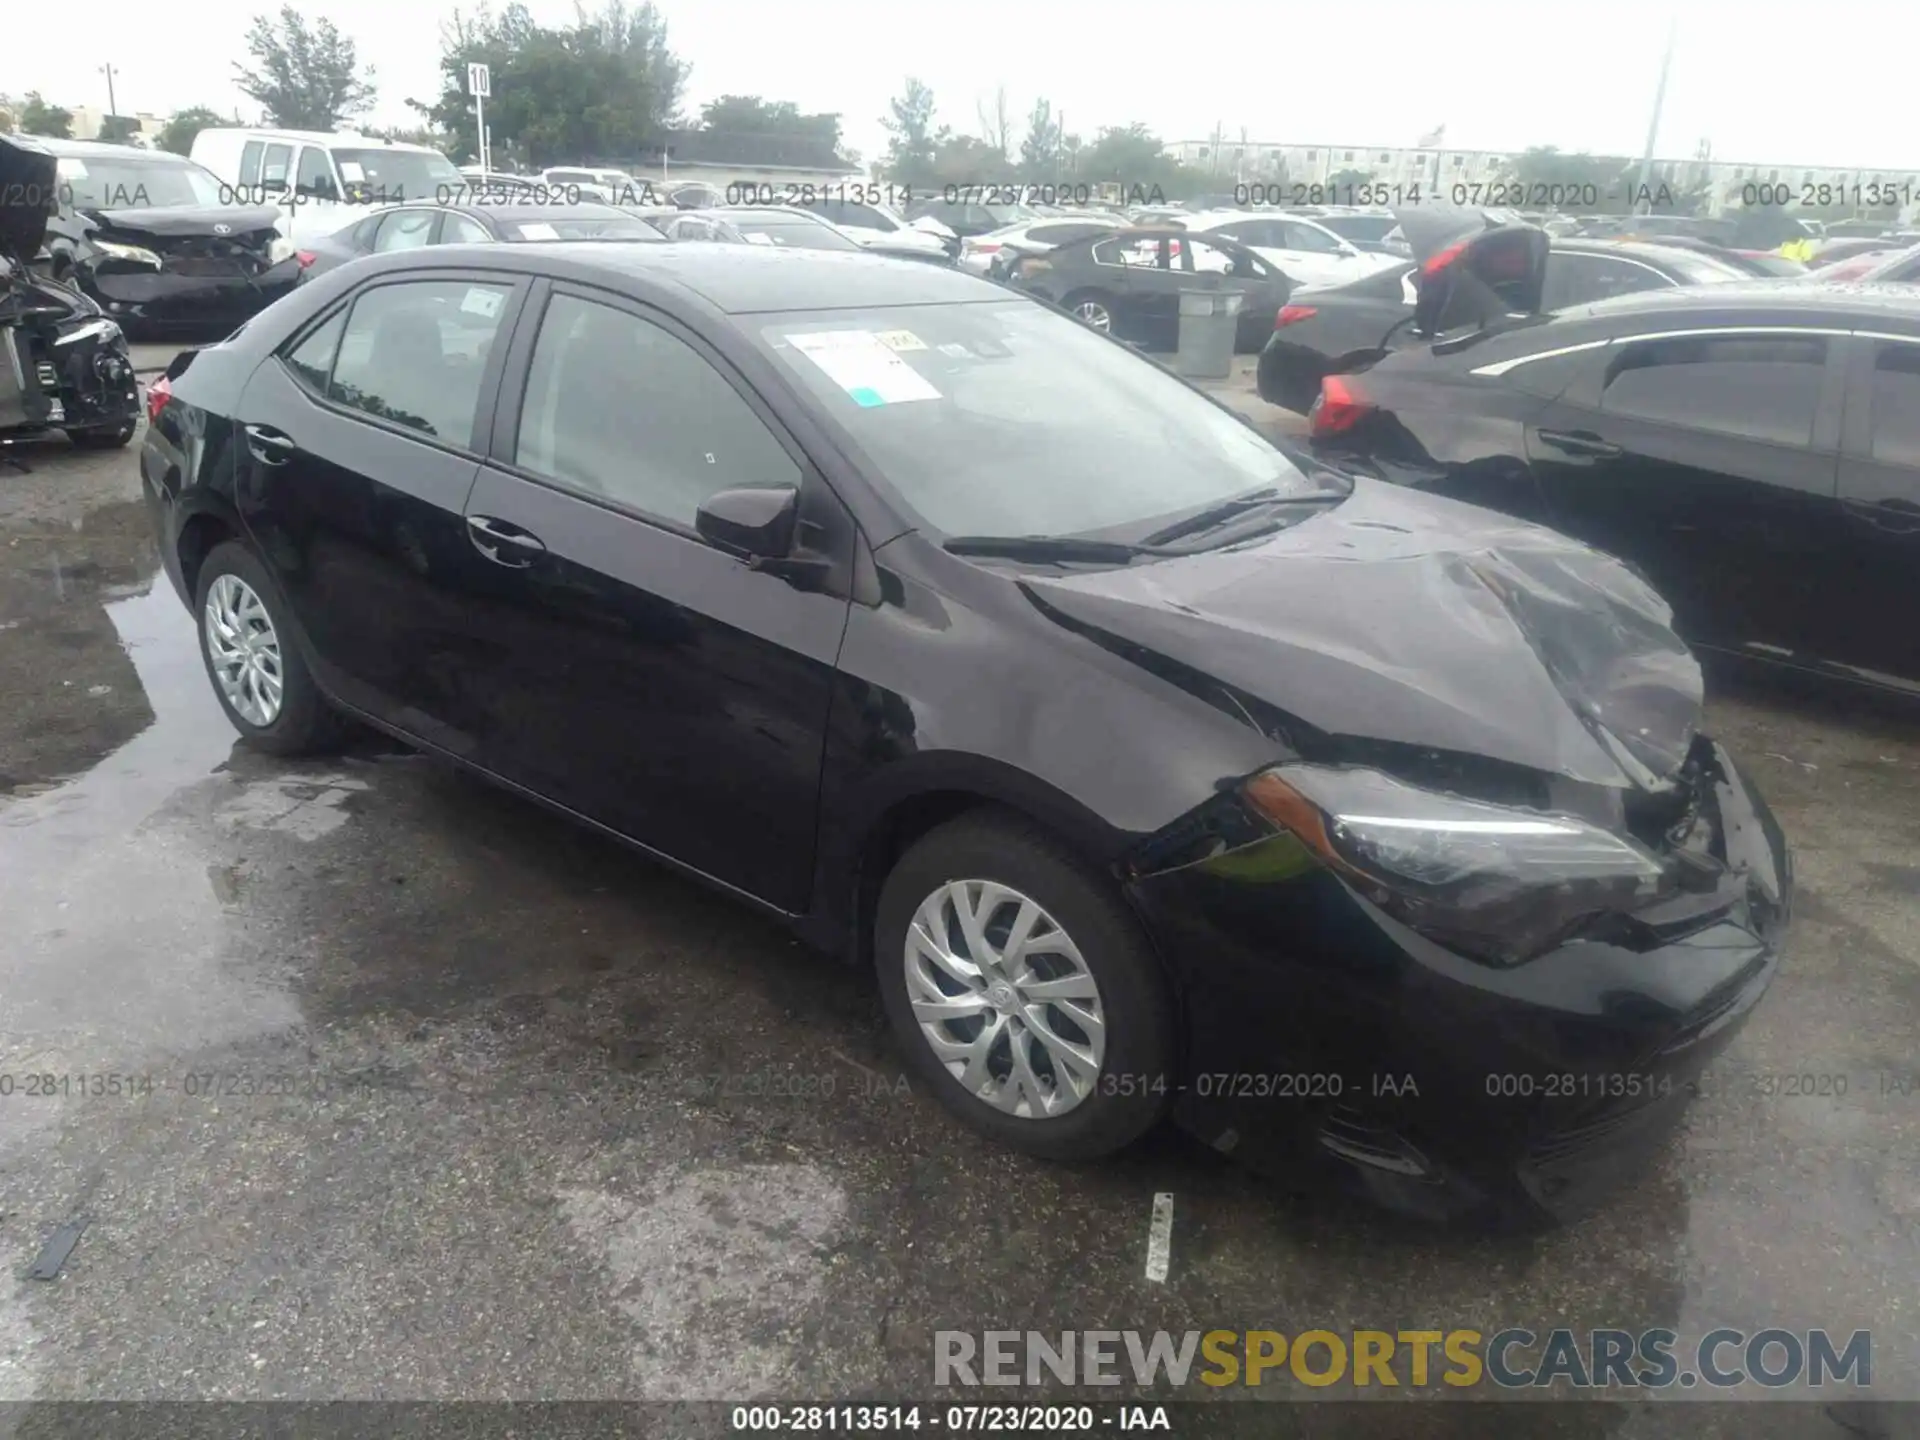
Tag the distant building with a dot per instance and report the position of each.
(1248, 162)
(89, 121)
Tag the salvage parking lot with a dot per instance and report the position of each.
(450, 1099)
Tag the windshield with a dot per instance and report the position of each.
(578, 227)
(1006, 418)
(135, 184)
(1361, 227)
(798, 234)
(385, 177)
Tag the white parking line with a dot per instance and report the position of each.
(1160, 1237)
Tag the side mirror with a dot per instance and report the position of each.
(757, 521)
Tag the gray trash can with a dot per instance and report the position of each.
(1209, 320)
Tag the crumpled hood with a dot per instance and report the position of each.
(168, 222)
(1407, 617)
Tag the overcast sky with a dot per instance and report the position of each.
(1780, 86)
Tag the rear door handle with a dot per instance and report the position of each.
(1579, 442)
(502, 543)
(269, 446)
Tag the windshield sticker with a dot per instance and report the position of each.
(538, 230)
(755, 239)
(481, 302)
(72, 169)
(901, 340)
(867, 370)
(351, 172)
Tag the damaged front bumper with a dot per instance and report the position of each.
(1328, 1042)
(211, 294)
(72, 374)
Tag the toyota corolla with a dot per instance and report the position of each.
(1152, 768)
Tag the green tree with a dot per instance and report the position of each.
(1596, 184)
(119, 130)
(183, 125)
(966, 160)
(39, 118)
(305, 78)
(1135, 160)
(775, 120)
(914, 142)
(1040, 151)
(606, 88)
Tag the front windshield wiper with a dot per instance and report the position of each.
(1066, 549)
(1242, 506)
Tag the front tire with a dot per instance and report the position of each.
(1023, 990)
(258, 674)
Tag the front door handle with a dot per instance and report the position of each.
(1579, 442)
(269, 446)
(502, 543)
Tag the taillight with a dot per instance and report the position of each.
(158, 394)
(1339, 408)
(1445, 258)
(305, 258)
(1293, 315)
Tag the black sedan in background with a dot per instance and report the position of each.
(1754, 449)
(1334, 330)
(1146, 763)
(515, 222)
(158, 243)
(1127, 283)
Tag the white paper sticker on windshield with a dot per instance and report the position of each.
(72, 169)
(753, 239)
(901, 340)
(482, 302)
(538, 230)
(867, 370)
(351, 172)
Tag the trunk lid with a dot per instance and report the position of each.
(28, 196)
(1475, 267)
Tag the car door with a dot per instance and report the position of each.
(1709, 460)
(1873, 616)
(634, 672)
(1576, 277)
(363, 439)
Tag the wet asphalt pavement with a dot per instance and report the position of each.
(425, 1107)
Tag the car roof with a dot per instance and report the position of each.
(533, 210)
(1680, 257)
(734, 279)
(351, 138)
(92, 149)
(1764, 301)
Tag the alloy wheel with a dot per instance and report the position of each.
(1005, 999)
(1095, 314)
(243, 651)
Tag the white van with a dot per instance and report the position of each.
(322, 181)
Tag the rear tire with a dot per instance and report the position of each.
(1080, 1061)
(257, 672)
(1092, 308)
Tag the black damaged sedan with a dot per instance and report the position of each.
(1153, 769)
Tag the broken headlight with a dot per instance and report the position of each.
(1496, 883)
(132, 254)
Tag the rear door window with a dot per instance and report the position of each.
(1758, 387)
(1893, 414)
(413, 354)
(250, 154)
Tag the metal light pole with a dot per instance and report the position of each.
(113, 107)
(1659, 100)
